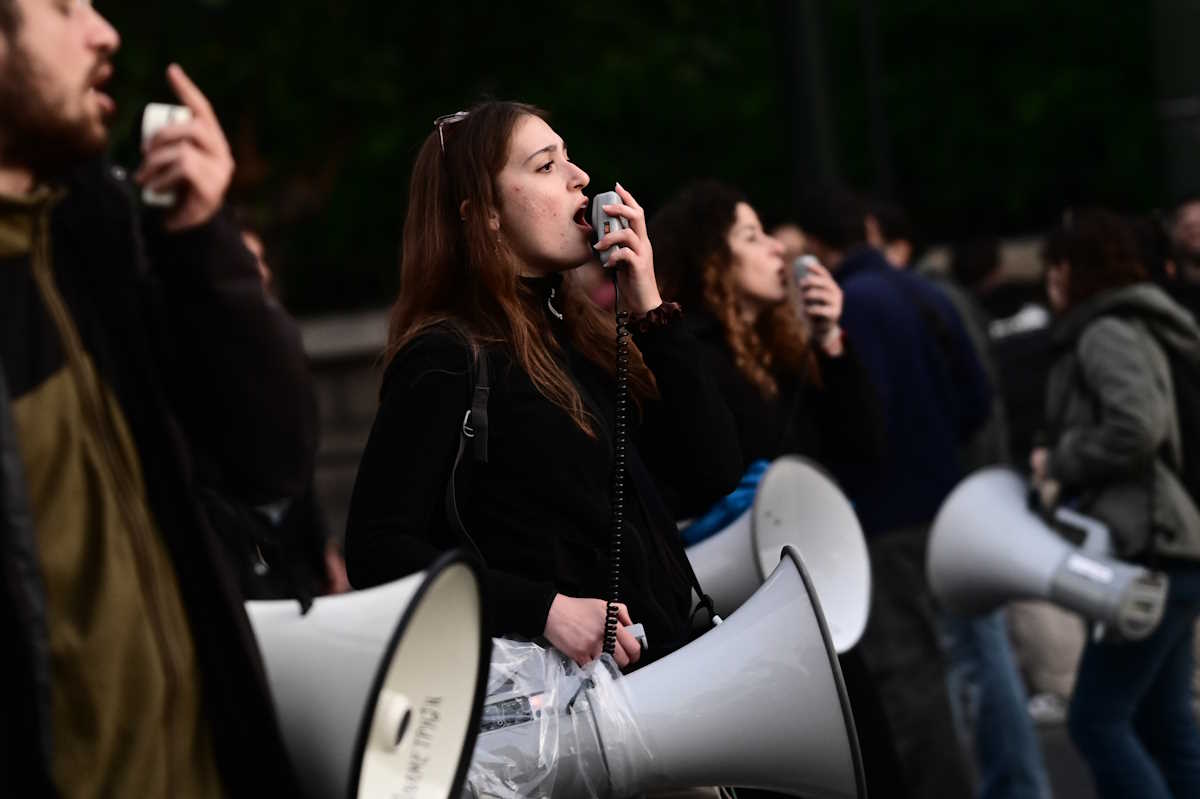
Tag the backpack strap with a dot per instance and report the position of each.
(475, 423)
(472, 432)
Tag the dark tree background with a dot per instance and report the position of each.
(995, 114)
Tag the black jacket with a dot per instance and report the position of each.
(539, 508)
(934, 392)
(839, 424)
(180, 329)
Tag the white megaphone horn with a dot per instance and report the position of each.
(756, 702)
(795, 505)
(986, 548)
(379, 691)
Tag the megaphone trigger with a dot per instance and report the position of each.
(639, 634)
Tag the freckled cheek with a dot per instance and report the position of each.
(540, 217)
(531, 207)
(545, 215)
(546, 210)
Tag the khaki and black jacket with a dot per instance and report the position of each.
(1115, 439)
(125, 353)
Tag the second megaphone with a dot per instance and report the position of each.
(757, 701)
(795, 505)
(987, 548)
(379, 691)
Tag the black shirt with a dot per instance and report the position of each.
(1186, 294)
(839, 423)
(539, 508)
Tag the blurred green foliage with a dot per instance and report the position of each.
(998, 112)
(1002, 112)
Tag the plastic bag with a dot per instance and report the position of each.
(546, 724)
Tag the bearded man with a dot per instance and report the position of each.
(131, 342)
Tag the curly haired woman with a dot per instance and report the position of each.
(783, 365)
(785, 369)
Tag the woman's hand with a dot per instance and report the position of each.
(575, 627)
(1048, 489)
(336, 581)
(1039, 464)
(822, 298)
(631, 246)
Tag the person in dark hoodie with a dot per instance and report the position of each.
(1115, 452)
(496, 216)
(986, 690)
(129, 342)
(935, 395)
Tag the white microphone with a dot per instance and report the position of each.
(801, 265)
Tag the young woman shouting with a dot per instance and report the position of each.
(496, 220)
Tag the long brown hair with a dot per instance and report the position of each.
(695, 267)
(453, 267)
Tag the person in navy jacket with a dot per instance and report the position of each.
(935, 394)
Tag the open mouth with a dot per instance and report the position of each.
(580, 218)
(106, 103)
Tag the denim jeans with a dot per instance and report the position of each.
(1131, 715)
(983, 675)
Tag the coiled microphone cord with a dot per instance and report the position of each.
(620, 443)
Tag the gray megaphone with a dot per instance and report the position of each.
(379, 691)
(987, 548)
(795, 505)
(756, 702)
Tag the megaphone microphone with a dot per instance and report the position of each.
(987, 547)
(379, 691)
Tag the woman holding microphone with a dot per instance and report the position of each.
(789, 376)
(769, 335)
(496, 221)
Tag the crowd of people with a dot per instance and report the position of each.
(158, 434)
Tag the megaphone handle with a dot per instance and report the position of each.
(1096, 537)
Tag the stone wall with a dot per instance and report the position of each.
(344, 352)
